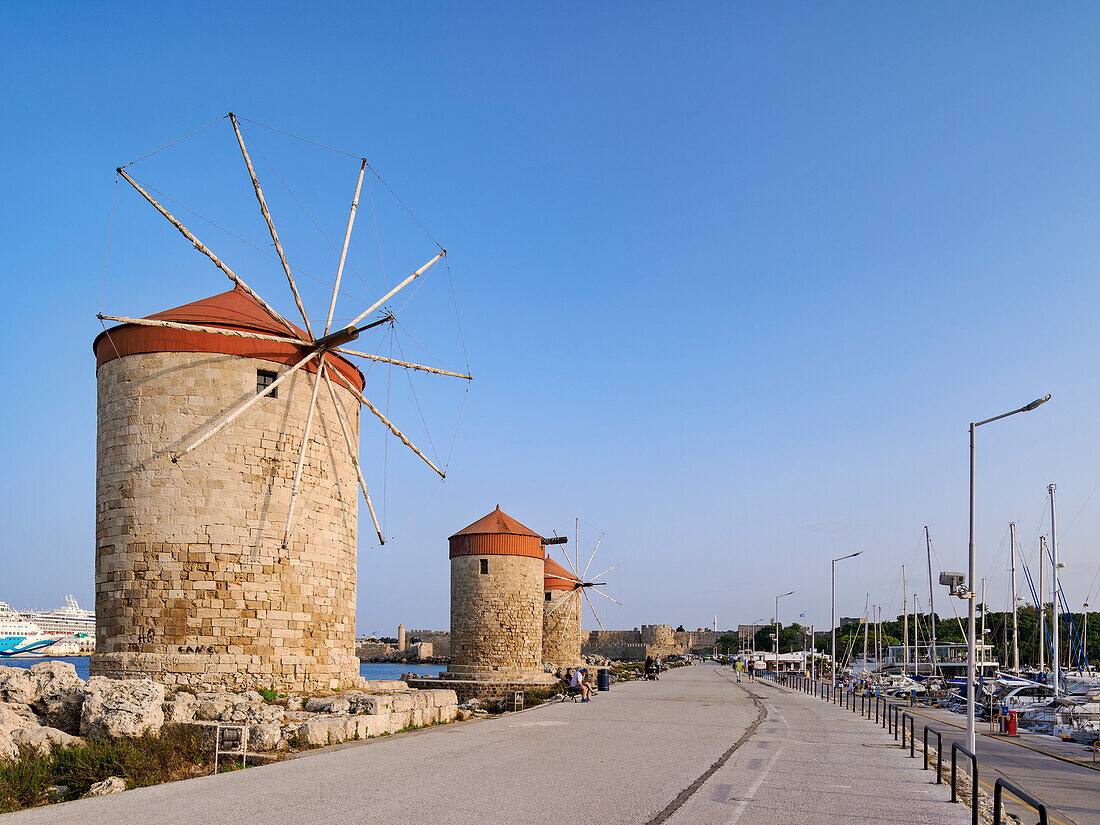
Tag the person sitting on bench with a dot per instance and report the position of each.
(576, 683)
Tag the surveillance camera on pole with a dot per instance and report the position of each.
(956, 583)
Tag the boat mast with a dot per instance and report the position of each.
(1015, 623)
(866, 618)
(1057, 662)
(982, 660)
(1085, 636)
(878, 639)
(905, 633)
(874, 623)
(916, 638)
(1042, 607)
(931, 601)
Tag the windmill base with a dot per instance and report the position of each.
(483, 689)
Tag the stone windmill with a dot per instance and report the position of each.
(566, 592)
(227, 468)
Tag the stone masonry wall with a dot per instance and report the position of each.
(192, 583)
(657, 635)
(561, 630)
(496, 618)
(440, 641)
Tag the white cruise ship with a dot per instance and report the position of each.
(72, 623)
(18, 636)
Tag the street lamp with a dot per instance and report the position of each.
(832, 664)
(969, 595)
(777, 598)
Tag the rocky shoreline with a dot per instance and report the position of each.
(48, 705)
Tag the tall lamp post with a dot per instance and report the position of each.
(969, 595)
(832, 663)
(777, 598)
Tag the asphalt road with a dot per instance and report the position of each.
(693, 747)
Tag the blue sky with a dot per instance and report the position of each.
(732, 280)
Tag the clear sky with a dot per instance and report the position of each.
(732, 279)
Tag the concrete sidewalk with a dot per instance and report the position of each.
(693, 747)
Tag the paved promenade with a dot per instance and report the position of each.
(1071, 791)
(691, 748)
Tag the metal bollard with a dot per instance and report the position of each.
(998, 788)
(955, 748)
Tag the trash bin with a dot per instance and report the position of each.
(603, 679)
(1012, 723)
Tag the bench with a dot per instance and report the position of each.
(569, 694)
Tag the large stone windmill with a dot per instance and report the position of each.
(227, 468)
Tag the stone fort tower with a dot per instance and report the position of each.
(192, 581)
(561, 623)
(497, 572)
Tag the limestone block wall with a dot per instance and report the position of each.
(496, 618)
(440, 641)
(613, 637)
(561, 628)
(657, 635)
(192, 583)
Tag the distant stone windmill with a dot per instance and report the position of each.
(226, 517)
(566, 591)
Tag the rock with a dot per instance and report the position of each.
(329, 704)
(18, 687)
(462, 714)
(253, 713)
(125, 707)
(381, 686)
(14, 716)
(295, 703)
(181, 710)
(8, 749)
(43, 739)
(211, 706)
(57, 792)
(317, 732)
(470, 704)
(60, 695)
(112, 784)
(265, 737)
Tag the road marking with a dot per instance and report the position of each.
(546, 724)
(686, 793)
(744, 801)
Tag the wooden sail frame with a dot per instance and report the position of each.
(312, 347)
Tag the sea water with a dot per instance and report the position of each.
(368, 670)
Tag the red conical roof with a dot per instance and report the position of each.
(497, 523)
(556, 577)
(497, 534)
(235, 309)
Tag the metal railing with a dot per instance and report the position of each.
(955, 748)
(939, 753)
(912, 736)
(1002, 784)
(893, 717)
